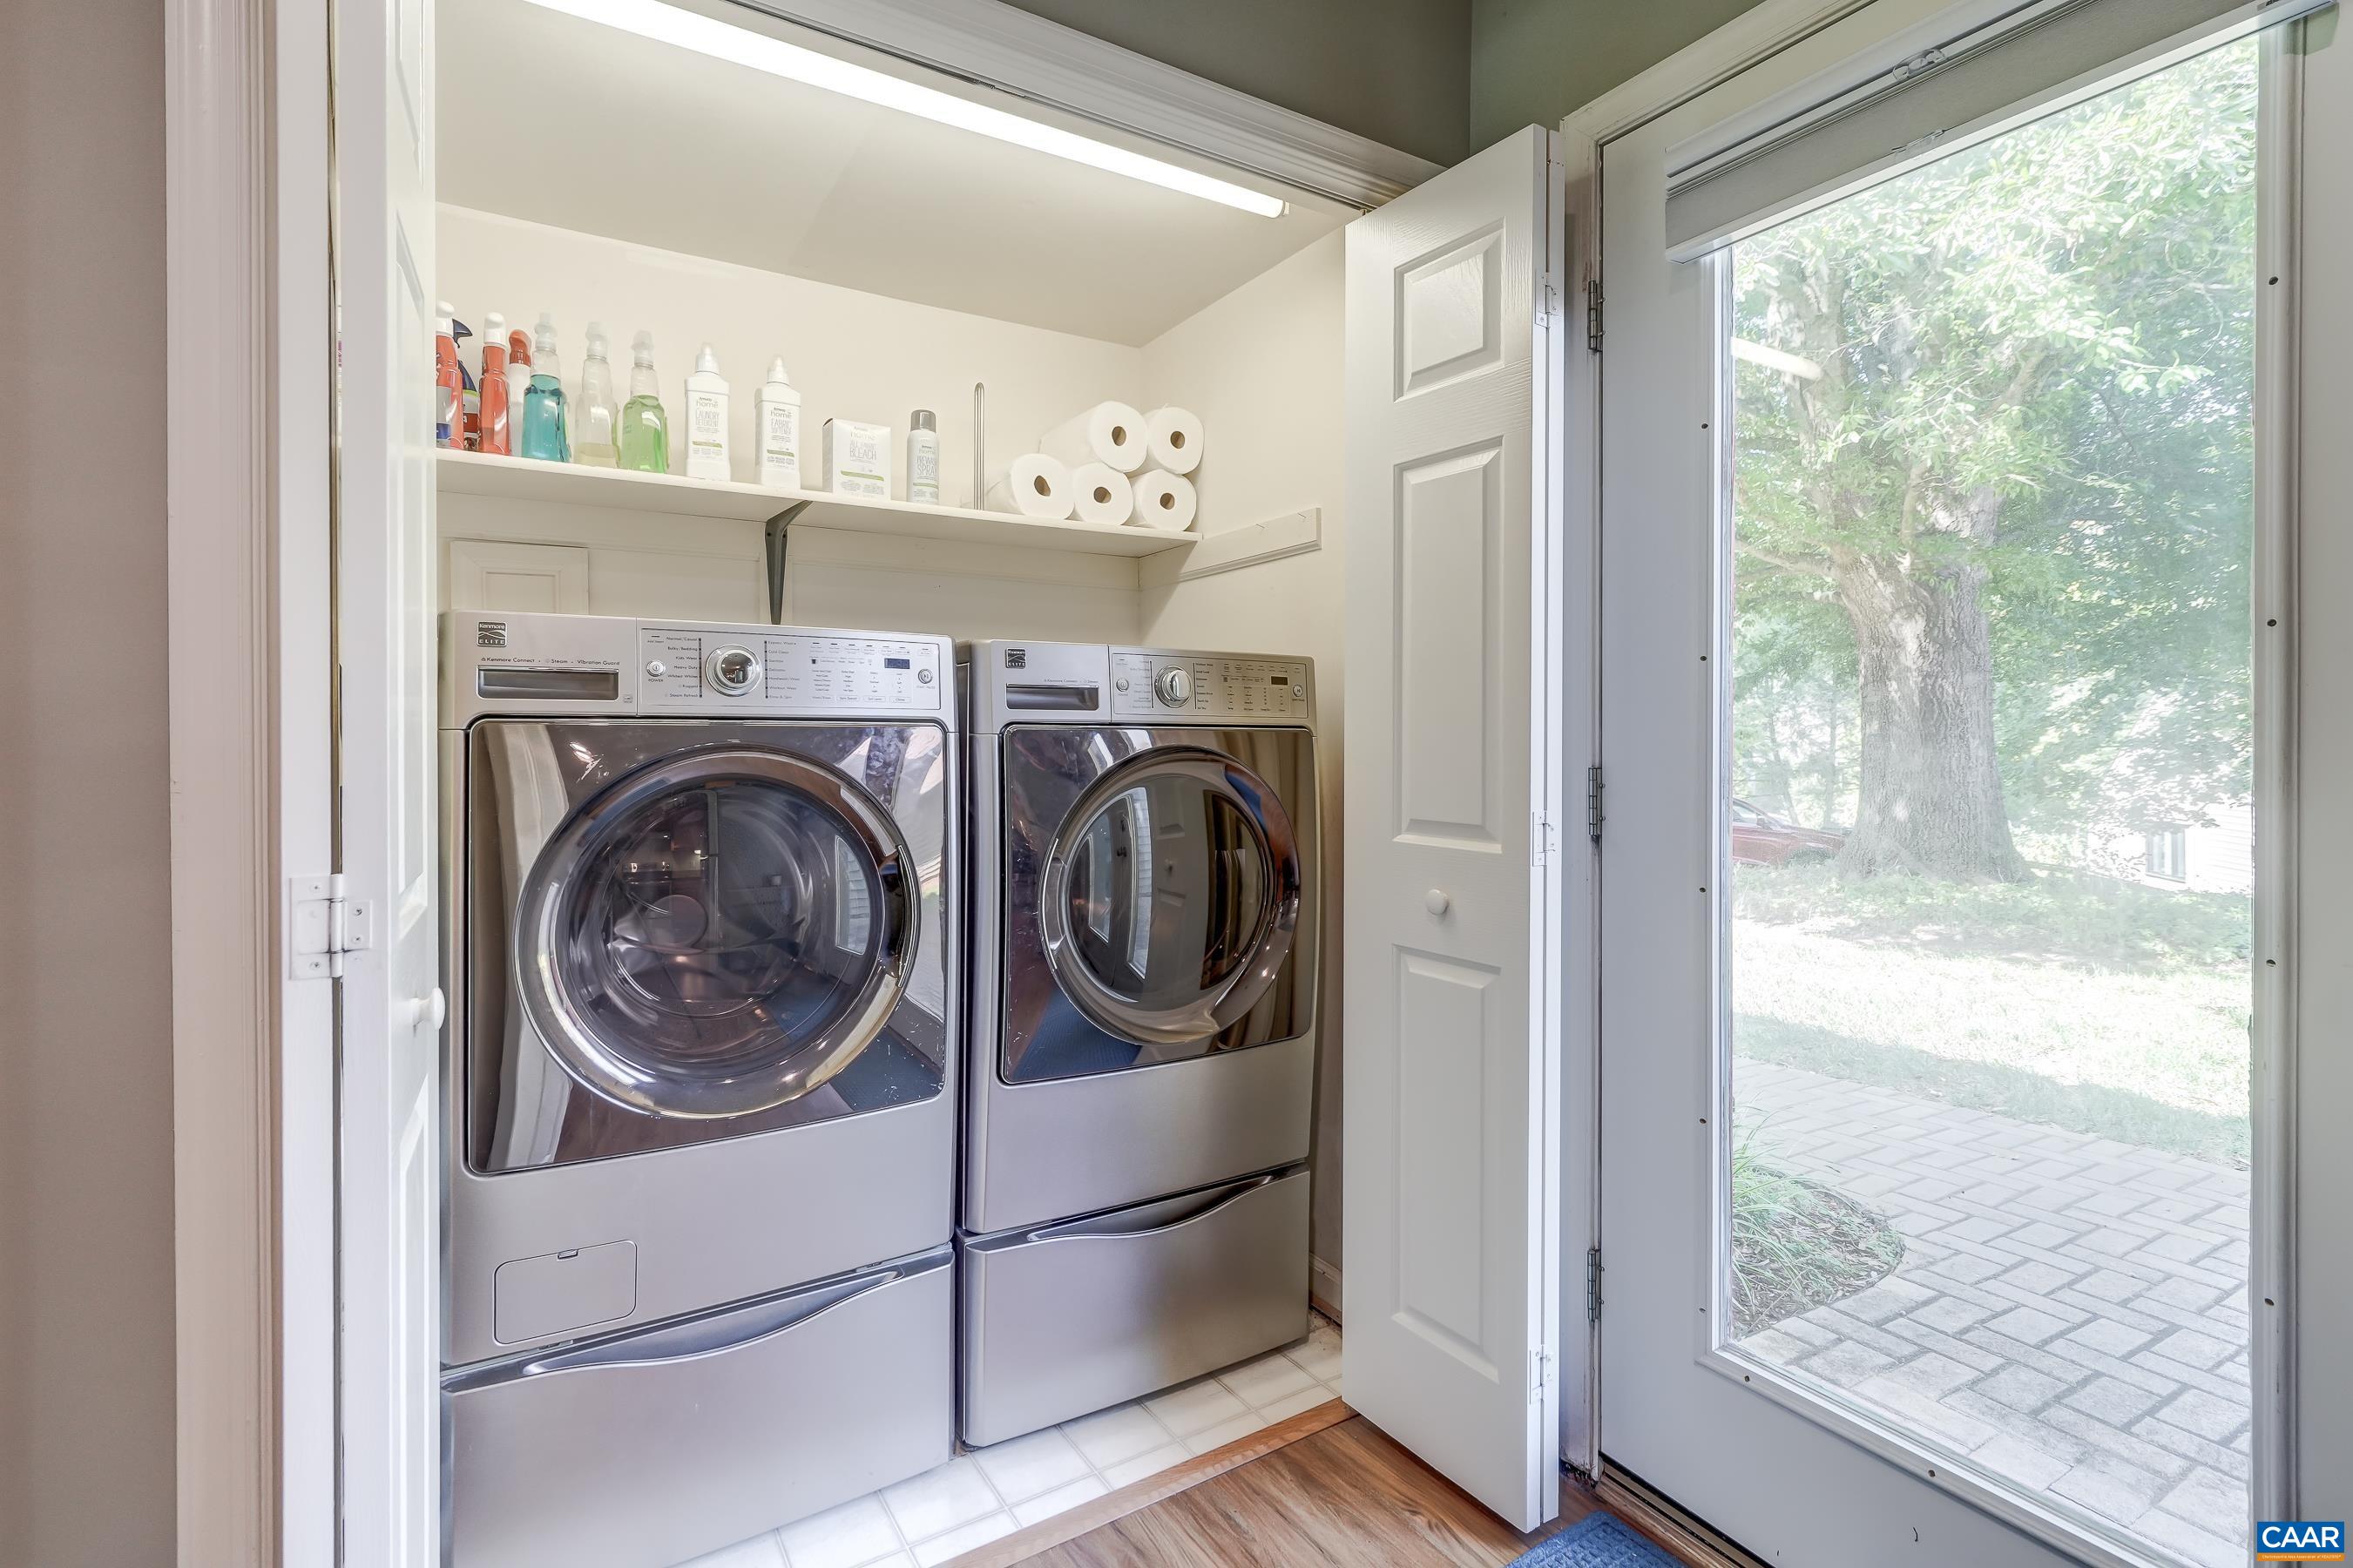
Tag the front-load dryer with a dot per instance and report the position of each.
(1146, 933)
(701, 1114)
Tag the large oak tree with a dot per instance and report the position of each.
(1992, 497)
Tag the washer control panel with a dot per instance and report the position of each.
(707, 670)
(1147, 684)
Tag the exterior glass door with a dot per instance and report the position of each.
(1989, 818)
(1939, 926)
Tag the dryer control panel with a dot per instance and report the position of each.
(1147, 684)
(526, 664)
(712, 669)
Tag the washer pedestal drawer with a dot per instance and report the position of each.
(643, 1449)
(1064, 1319)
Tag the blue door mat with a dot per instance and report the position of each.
(1598, 1541)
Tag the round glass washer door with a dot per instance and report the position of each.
(1171, 896)
(717, 934)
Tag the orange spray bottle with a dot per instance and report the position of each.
(496, 435)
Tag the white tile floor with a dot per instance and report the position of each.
(988, 1492)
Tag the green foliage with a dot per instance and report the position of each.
(2036, 359)
(2053, 917)
(1798, 1244)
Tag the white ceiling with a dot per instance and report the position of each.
(558, 121)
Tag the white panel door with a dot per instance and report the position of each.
(1453, 903)
(390, 1200)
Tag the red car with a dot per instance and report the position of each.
(1761, 839)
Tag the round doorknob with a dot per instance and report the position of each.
(428, 1011)
(1436, 902)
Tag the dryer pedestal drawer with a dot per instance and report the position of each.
(654, 1446)
(1066, 1317)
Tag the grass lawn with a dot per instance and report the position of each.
(2075, 1000)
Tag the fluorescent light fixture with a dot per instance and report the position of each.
(724, 41)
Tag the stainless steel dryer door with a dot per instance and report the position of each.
(705, 925)
(1157, 896)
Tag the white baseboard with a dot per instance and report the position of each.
(1323, 1287)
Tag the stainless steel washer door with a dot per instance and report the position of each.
(1157, 896)
(717, 934)
(1171, 897)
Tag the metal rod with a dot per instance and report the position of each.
(980, 445)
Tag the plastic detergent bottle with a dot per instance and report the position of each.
(518, 384)
(706, 420)
(597, 417)
(449, 380)
(496, 438)
(544, 435)
(645, 427)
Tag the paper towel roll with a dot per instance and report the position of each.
(1164, 501)
(1174, 435)
(1103, 493)
(1110, 433)
(1034, 486)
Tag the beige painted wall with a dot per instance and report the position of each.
(86, 1330)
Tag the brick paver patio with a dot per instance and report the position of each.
(2070, 1313)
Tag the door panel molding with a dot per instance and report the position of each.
(1455, 897)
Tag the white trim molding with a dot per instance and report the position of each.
(997, 45)
(217, 158)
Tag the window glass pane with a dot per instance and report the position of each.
(1990, 819)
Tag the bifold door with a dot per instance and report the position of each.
(1454, 902)
(389, 1197)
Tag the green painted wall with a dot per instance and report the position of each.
(1439, 78)
(1397, 71)
(1532, 61)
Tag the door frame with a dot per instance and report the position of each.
(1752, 37)
(2276, 1229)
(248, 212)
(246, 216)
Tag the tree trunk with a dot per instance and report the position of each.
(1930, 796)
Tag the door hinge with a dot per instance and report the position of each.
(1593, 1285)
(1544, 838)
(1593, 802)
(1592, 309)
(1540, 1364)
(322, 926)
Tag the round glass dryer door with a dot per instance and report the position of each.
(1171, 897)
(717, 934)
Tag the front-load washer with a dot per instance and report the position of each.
(701, 1079)
(1143, 843)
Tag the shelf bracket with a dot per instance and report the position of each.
(779, 538)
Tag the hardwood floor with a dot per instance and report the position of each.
(1345, 1496)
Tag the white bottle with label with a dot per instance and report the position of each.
(706, 420)
(923, 456)
(778, 428)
